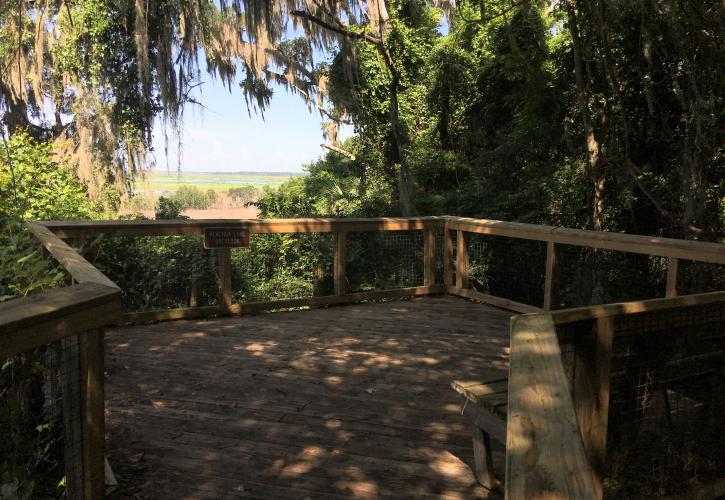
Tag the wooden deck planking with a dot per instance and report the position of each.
(350, 401)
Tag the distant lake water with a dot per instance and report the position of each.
(216, 181)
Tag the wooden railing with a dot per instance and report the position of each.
(81, 310)
(558, 424)
(545, 456)
(554, 237)
(548, 453)
(672, 249)
(340, 227)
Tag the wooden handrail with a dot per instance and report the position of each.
(81, 229)
(78, 267)
(650, 245)
(616, 309)
(80, 310)
(545, 455)
(633, 243)
(672, 249)
(41, 319)
(554, 436)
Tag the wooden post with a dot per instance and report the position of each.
(461, 260)
(429, 257)
(93, 428)
(482, 458)
(672, 268)
(339, 262)
(552, 276)
(591, 388)
(225, 276)
(447, 258)
(318, 282)
(194, 293)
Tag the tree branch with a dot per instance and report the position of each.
(344, 153)
(355, 35)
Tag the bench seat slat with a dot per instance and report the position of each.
(491, 395)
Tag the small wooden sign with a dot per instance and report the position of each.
(224, 237)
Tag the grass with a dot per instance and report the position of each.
(217, 181)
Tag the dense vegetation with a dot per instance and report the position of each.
(599, 115)
(604, 115)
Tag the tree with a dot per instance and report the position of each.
(113, 66)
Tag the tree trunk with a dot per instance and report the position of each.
(405, 181)
(594, 152)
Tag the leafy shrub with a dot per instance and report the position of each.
(168, 209)
(35, 185)
(23, 270)
(244, 194)
(157, 272)
(193, 197)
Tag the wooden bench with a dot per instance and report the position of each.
(485, 403)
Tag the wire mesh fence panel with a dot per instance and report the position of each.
(699, 277)
(40, 423)
(283, 266)
(507, 267)
(667, 401)
(157, 272)
(590, 276)
(384, 260)
(665, 429)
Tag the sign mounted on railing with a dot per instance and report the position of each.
(224, 237)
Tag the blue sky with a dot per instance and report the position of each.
(223, 138)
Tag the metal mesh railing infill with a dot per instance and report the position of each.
(283, 266)
(40, 423)
(509, 268)
(666, 432)
(384, 260)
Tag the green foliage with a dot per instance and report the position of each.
(193, 197)
(278, 266)
(244, 194)
(493, 127)
(157, 272)
(33, 186)
(168, 209)
(23, 270)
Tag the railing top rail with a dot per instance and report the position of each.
(621, 308)
(545, 453)
(649, 245)
(545, 456)
(634, 243)
(41, 319)
(195, 227)
(78, 267)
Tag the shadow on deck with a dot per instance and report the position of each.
(340, 402)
